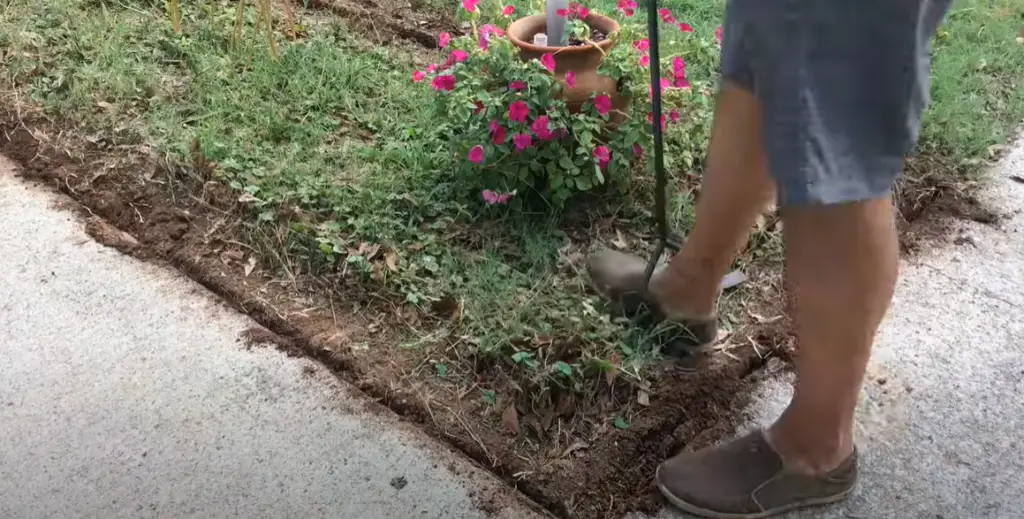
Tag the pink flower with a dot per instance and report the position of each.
(718, 35)
(626, 7)
(431, 68)
(666, 16)
(673, 115)
(470, 5)
(642, 45)
(479, 107)
(517, 111)
(491, 198)
(446, 83)
(522, 141)
(486, 31)
(517, 86)
(443, 39)
(476, 154)
(650, 119)
(685, 27)
(570, 79)
(603, 104)
(508, 10)
(418, 76)
(602, 156)
(645, 60)
(638, 151)
(548, 61)
(498, 136)
(678, 65)
(459, 55)
(664, 84)
(562, 12)
(580, 11)
(679, 73)
(541, 128)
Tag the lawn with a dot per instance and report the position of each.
(341, 180)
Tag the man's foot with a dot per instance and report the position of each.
(620, 278)
(746, 479)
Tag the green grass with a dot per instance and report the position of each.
(331, 141)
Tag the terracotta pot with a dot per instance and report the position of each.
(582, 60)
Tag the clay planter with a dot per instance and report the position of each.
(582, 60)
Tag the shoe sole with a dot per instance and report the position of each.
(711, 514)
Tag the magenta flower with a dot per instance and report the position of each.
(581, 12)
(638, 151)
(446, 83)
(673, 115)
(602, 156)
(418, 76)
(491, 198)
(508, 10)
(718, 35)
(476, 154)
(486, 31)
(642, 45)
(431, 68)
(645, 60)
(627, 7)
(570, 79)
(541, 128)
(603, 104)
(459, 56)
(685, 27)
(650, 119)
(548, 61)
(517, 111)
(517, 86)
(522, 141)
(666, 16)
(664, 84)
(443, 39)
(498, 136)
(470, 5)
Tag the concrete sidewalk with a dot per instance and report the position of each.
(941, 424)
(124, 393)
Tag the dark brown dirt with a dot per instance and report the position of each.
(592, 471)
(385, 21)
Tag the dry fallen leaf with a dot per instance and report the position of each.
(577, 445)
(620, 242)
(246, 198)
(510, 420)
(643, 398)
(104, 105)
(250, 265)
(391, 261)
(230, 256)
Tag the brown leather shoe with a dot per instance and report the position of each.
(620, 278)
(746, 479)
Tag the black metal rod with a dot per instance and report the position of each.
(661, 182)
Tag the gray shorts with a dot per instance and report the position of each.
(843, 84)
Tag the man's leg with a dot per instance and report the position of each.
(841, 265)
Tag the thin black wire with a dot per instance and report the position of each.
(659, 159)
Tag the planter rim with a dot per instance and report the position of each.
(571, 50)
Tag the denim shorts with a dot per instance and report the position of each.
(842, 84)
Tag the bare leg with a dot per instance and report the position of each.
(735, 190)
(842, 263)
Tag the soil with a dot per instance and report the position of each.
(388, 21)
(597, 471)
(596, 36)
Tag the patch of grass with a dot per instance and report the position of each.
(328, 144)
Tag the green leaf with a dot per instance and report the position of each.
(488, 397)
(521, 357)
(620, 423)
(440, 369)
(562, 369)
(566, 163)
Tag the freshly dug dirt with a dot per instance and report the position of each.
(385, 21)
(575, 464)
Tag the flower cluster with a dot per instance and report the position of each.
(509, 121)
